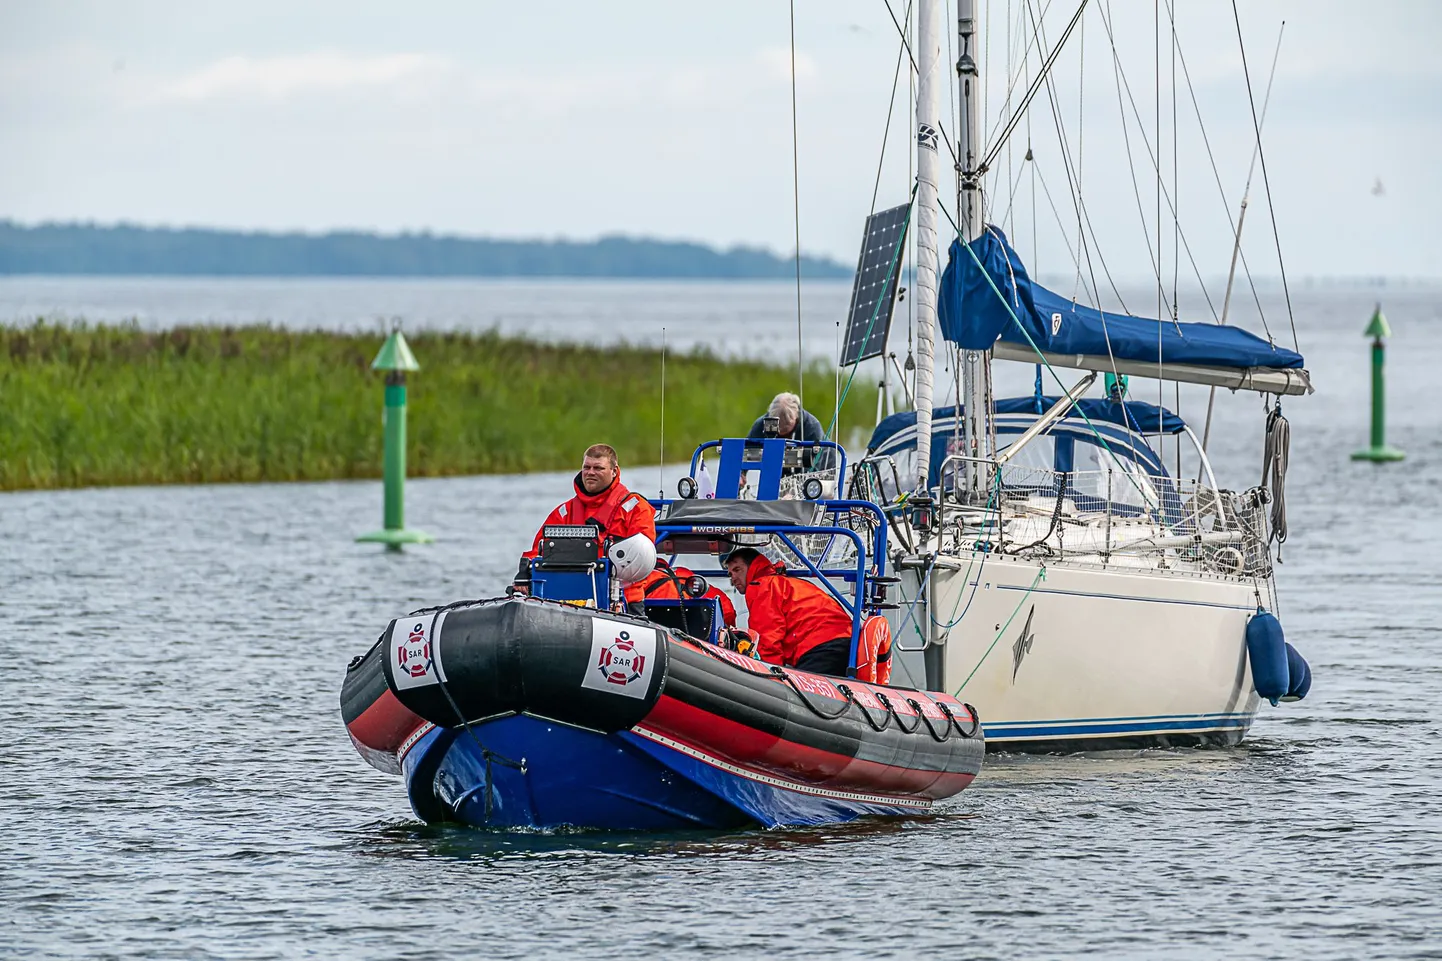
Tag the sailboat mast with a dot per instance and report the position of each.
(928, 170)
(975, 364)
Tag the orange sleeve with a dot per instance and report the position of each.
(640, 519)
(765, 620)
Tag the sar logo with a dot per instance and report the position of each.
(620, 662)
(413, 655)
(623, 658)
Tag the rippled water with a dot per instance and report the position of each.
(178, 782)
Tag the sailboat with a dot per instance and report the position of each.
(1055, 573)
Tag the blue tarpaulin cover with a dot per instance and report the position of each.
(973, 317)
(1121, 423)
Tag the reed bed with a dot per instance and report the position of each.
(84, 405)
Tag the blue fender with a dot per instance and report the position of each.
(1267, 653)
(1299, 675)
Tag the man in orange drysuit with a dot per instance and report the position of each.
(667, 583)
(797, 623)
(601, 499)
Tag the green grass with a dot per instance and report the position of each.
(100, 405)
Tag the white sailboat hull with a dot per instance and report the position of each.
(1084, 656)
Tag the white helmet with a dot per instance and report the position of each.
(633, 558)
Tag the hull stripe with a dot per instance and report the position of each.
(1022, 732)
(920, 804)
(1128, 597)
(1239, 715)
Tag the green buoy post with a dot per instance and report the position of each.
(1378, 452)
(395, 358)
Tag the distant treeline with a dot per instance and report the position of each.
(125, 249)
(108, 405)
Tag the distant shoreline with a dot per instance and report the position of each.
(71, 249)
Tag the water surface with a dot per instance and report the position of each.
(178, 783)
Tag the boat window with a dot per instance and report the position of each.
(1130, 484)
(1038, 454)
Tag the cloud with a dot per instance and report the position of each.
(279, 78)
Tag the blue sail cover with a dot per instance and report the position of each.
(974, 318)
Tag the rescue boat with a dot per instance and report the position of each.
(540, 714)
(565, 708)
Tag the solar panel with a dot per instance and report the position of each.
(873, 294)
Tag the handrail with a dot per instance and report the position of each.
(857, 576)
(800, 444)
(941, 488)
(829, 506)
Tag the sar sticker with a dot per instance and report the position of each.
(415, 660)
(623, 658)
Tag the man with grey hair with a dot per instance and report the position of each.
(788, 420)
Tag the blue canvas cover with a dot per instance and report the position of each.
(973, 317)
(1120, 424)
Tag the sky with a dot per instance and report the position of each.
(674, 120)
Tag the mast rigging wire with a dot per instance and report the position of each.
(1042, 76)
(1153, 256)
(890, 109)
(940, 127)
(1026, 52)
(1074, 184)
(1161, 290)
(1216, 174)
(1237, 243)
(1266, 183)
(1156, 166)
(661, 465)
(796, 218)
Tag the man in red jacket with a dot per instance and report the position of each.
(797, 623)
(601, 499)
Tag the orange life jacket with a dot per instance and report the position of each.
(873, 651)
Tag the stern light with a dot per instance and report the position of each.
(923, 514)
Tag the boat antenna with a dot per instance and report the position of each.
(796, 217)
(661, 467)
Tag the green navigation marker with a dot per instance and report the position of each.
(395, 358)
(1378, 452)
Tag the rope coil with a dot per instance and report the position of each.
(1276, 455)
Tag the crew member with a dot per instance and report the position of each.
(601, 499)
(793, 423)
(797, 623)
(668, 583)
